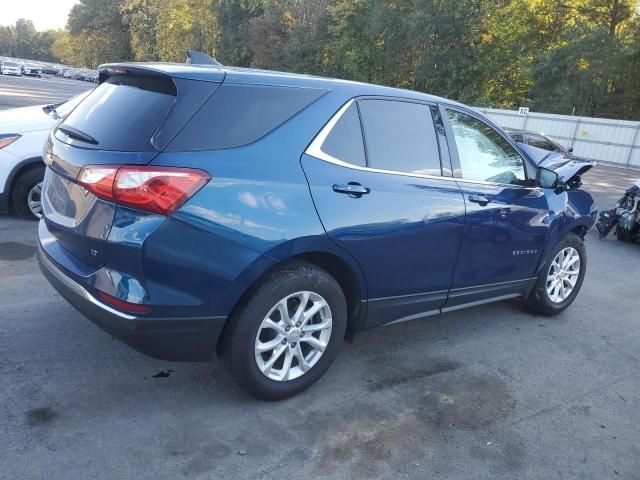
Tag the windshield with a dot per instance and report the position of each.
(10, 64)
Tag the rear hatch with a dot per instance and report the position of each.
(127, 120)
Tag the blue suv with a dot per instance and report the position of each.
(194, 210)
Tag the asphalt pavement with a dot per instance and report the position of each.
(495, 392)
(26, 91)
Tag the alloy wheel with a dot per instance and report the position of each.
(563, 274)
(34, 200)
(293, 336)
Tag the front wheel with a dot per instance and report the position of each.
(283, 339)
(560, 279)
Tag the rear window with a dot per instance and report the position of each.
(123, 113)
(239, 114)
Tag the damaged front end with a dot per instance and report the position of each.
(569, 170)
(625, 217)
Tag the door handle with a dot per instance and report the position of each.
(352, 189)
(479, 198)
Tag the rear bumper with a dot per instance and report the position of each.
(176, 339)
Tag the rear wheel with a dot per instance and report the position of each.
(560, 279)
(283, 339)
(26, 194)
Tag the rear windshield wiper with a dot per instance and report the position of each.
(49, 109)
(78, 134)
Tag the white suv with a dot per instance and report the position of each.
(23, 133)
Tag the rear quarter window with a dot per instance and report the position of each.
(239, 114)
(345, 140)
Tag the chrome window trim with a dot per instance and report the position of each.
(315, 150)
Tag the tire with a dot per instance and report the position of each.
(238, 348)
(540, 300)
(20, 193)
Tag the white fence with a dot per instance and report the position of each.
(615, 141)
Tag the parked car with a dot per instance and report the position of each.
(10, 68)
(31, 70)
(91, 76)
(50, 70)
(23, 133)
(264, 216)
(538, 140)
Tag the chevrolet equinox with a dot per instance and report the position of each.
(263, 217)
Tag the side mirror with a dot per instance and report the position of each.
(549, 179)
(570, 150)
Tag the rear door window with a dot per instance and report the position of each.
(400, 136)
(122, 113)
(239, 114)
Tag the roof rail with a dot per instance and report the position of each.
(200, 58)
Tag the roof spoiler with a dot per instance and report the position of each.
(115, 69)
(200, 58)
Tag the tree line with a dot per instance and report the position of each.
(23, 41)
(557, 56)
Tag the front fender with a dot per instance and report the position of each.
(569, 211)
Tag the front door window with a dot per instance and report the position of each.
(484, 154)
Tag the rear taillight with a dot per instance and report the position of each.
(98, 180)
(6, 140)
(153, 189)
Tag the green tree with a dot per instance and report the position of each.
(234, 45)
(585, 71)
(141, 17)
(353, 48)
(557, 56)
(185, 25)
(23, 41)
(26, 39)
(98, 23)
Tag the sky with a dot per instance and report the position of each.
(45, 14)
